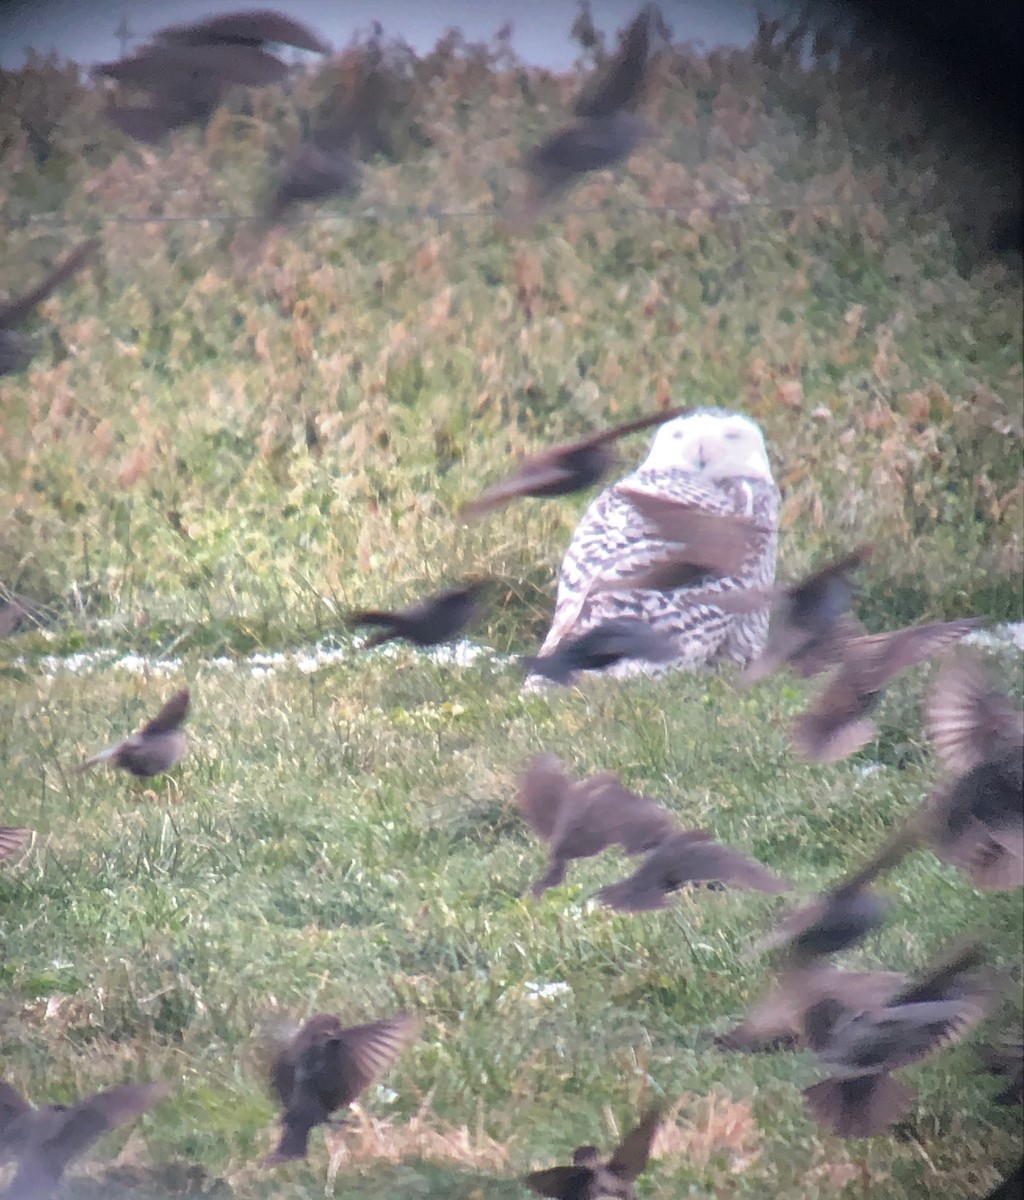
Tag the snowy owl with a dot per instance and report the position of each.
(710, 462)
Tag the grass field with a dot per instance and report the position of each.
(226, 446)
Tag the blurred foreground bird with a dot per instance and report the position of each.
(12, 839)
(156, 747)
(563, 469)
(590, 1178)
(604, 133)
(809, 625)
(431, 621)
(15, 351)
(976, 818)
(324, 1067)
(837, 724)
(44, 1141)
(582, 819)
(863, 1045)
(689, 856)
(602, 646)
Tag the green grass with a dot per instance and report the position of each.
(222, 448)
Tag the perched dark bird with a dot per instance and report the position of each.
(976, 818)
(44, 1141)
(590, 1178)
(809, 624)
(600, 647)
(435, 620)
(837, 724)
(563, 469)
(15, 352)
(689, 856)
(845, 913)
(156, 747)
(313, 173)
(581, 819)
(325, 1067)
(12, 839)
(604, 133)
(250, 27)
(862, 1046)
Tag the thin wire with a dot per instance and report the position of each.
(719, 208)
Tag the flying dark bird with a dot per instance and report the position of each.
(12, 840)
(976, 818)
(862, 1046)
(44, 1141)
(15, 352)
(845, 913)
(156, 747)
(689, 856)
(313, 173)
(590, 1178)
(602, 646)
(837, 724)
(604, 133)
(698, 546)
(435, 620)
(579, 820)
(255, 27)
(809, 624)
(776, 1022)
(563, 469)
(325, 1067)
(187, 70)
(970, 720)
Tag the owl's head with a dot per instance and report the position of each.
(711, 442)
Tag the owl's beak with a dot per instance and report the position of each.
(702, 461)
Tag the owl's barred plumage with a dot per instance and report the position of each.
(714, 462)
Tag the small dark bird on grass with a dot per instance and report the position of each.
(837, 724)
(809, 625)
(324, 1067)
(862, 1047)
(437, 619)
(604, 133)
(44, 1141)
(250, 27)
(845, 913)
(976, 818)
(582, 819)
(156, 747)
(15, 351)
(12, 839)
(590, 1178)
(563, 469)
(601, 646)
(689, 856)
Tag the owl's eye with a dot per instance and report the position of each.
(733, 435)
